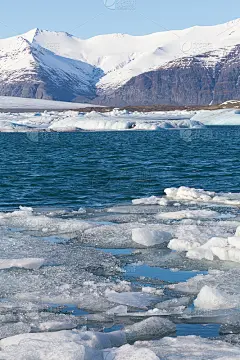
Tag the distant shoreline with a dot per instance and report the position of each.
(146, 109)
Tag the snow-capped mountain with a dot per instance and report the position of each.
(29, 70)
(198, 65)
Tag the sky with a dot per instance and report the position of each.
(87, 18)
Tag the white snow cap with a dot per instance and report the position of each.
(123, 56)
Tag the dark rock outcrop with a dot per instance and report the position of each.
(200, 80)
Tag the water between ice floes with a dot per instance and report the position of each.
(70, 248)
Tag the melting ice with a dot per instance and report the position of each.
(72, 299)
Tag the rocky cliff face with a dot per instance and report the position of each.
(200, 80)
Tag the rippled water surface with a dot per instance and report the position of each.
(99, 168)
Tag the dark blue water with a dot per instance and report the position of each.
(99, 168)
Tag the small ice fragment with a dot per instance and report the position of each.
(13, 329)
(152, 200)
(25, 208)
(188, 214)
(151, 290)
(151, 328)
(234, 241)
(27, 263)
(54, 326)
(149, 237)
(211, 298)
(128, 352)
(134, 299)
(118, 310)
(173, 303)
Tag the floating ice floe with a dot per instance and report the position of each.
(221, 248)
(174, 303)
(190, 347)
(147, 237)
(139, 300)
(12, 329)
(86, 279)
(21, 263)
(50, 326)
(26, 218)
(198, 195)
(217, 290)
(113, 121)
(116, 120)
(188, 214)
(152, 200)
(190, 237)
(225, 249)
(81, 345)
(218, 117)
(211, 298)
(151, 328)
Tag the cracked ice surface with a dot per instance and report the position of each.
(56, 278)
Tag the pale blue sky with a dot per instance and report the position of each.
(86, 18)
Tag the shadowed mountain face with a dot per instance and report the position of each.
(188, 81)
(31, 71)
(196, 66)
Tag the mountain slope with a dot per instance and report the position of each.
(29, 70)
(194, 66)
(205, 79)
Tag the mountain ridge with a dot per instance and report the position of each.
(105, 69)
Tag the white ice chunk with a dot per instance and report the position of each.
(26, 218)
(199, 195)
(30, 263)
(189, 237)
(128, 352)
(118, 310)
(212, 298)
(61, 345)
(173, 303)
(208, 250)
(152, 200)
(216, 290)
(182, 245)
(13, 329)
(151, 328)
(54, 326)
(152, 290)
(147, 237)
(135, 299)
(191, 348)
(186, 193)
(222, 248)
(234, 241)
(188, 214)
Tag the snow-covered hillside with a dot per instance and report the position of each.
(122, 56)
